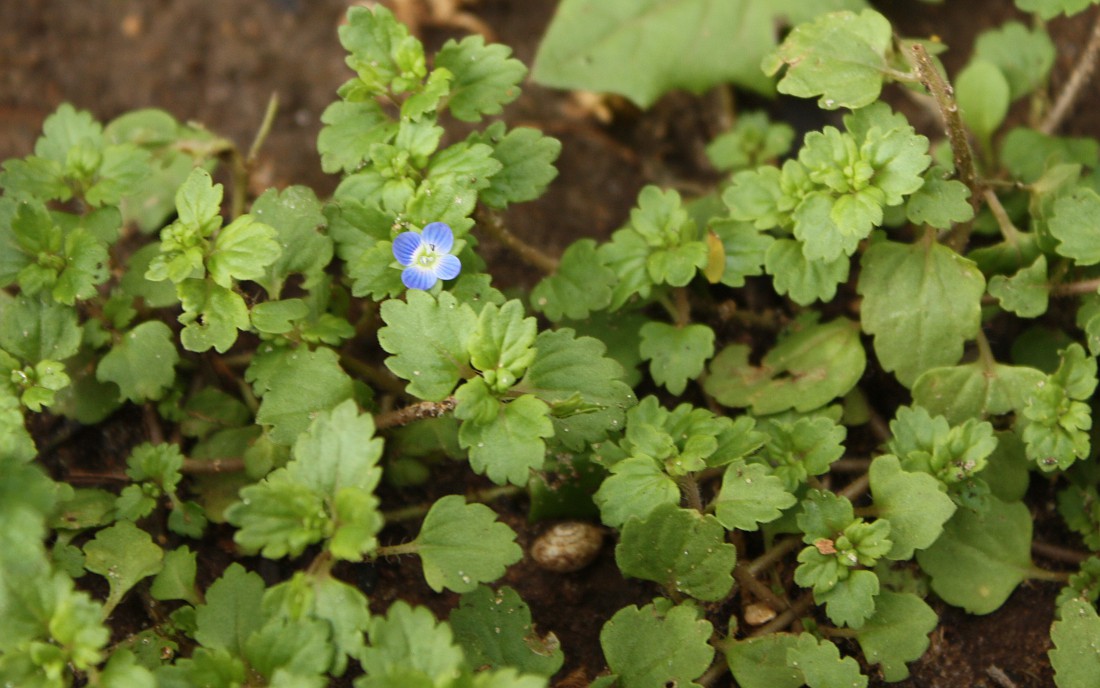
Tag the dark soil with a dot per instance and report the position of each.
(218, 63)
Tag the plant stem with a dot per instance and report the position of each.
(689, 488)
(1077, 79)
(242, 165)
(415, 511)
(762, 592)
(493, 224)
(1046, 575)
(985, 353)
(1008, 230)
(397, 550)
(956, 134)
(800, 607)
(372, 375)
(683, 306)
(1089, 286)
(419, 411)
(770, 556)
(229, 464)
(1058, 553)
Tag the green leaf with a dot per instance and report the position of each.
(349, 131)
(675, 354)
(761, 662)
(983, 95)
(66, 263)
(410, 640)
(382, 52)
(304, 383)
(232, 611)
(1076, 637)
(508, 447)
(242, 251)
(338, 451)
(495, 630)
(298, 648)
(980, 559)
(805, 371)
(637, 486)
(753, 141)
(750, 495)
(796, 450)
(652, 647)
(156, 463)
(502, 344)
(1075, 224)
(940, 202)
(176, 581)
(581, 284)
(325, 491)
(743, 250)
(278, 517)
(593, 45)
(340, 606)
(485, 77)
(914, 503)
(211, 316)
(527, 157)
(626, 255)
(198, 202)
(34, 330)
(1026, 293)
(841, 56)
(277, 317)
(975, 390)
(295, 215)
(921, 302)
(1023, 55)
(429, 340)
(461, 545)
(123, 671)
(681, 549)
(142, 363)
(822, 665)
(1057, 419)
(804, 280)
(897, 633)
(575, 373)
(1050, 8)
(123, 554)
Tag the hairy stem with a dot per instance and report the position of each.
(493, 224)
(1058, 553)
(800, 607)
(416, 511)
(944, 96)
(1077, 80)
(420, 411)
(228, 464)
(1089, 286)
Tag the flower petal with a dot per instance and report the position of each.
(416, 277)
(405, 245)
(447, 266)
(439, 235)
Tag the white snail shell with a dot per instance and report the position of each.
(567, 546)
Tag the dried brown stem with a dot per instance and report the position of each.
(1077, 80)
(492, 223)
(418, 411)
(956, 133)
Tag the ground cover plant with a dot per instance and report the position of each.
(294, 356)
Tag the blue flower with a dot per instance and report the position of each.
(426, 256)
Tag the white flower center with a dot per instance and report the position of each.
(426, 255)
